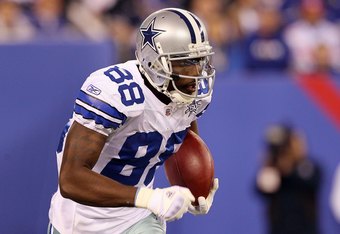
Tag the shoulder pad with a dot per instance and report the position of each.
(117, 87)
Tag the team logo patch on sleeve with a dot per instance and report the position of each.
(93, 89)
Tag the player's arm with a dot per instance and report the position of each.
(194, 127)
(79, 183)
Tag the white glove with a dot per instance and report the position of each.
(168, 203)
(204, 204)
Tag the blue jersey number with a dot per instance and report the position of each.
(136, 157)
(131, 92)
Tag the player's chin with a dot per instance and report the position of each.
(189, 90)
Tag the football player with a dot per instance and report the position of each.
(128, 119)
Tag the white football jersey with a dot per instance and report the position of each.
(142, 133)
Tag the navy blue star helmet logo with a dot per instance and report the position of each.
(149, 33)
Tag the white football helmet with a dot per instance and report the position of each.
(175, 34)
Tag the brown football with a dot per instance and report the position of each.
(192, 166)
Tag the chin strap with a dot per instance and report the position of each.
(180, 99)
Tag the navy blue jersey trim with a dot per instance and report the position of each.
(93, 116)
(62, 137)
(101, 106)
(201, 113)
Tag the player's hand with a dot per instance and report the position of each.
(204, 204)
(168, 203)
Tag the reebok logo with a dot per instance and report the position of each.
(93, 89)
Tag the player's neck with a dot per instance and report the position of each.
(162, 97)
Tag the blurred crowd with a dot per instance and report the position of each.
(284, 35)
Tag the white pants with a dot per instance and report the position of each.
(150, 224)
